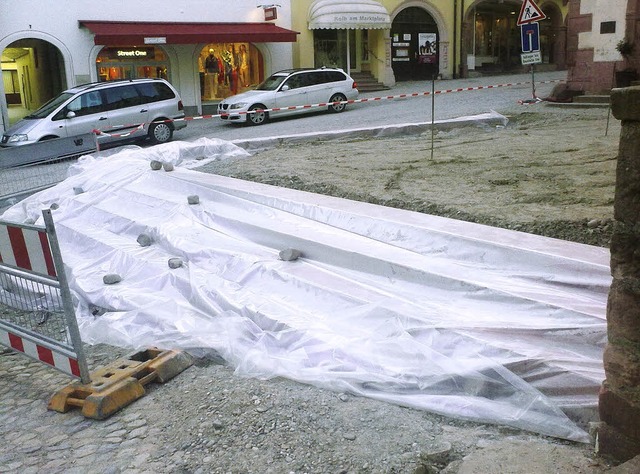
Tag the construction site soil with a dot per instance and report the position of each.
(549, 171)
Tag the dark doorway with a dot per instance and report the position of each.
(32, 73)
(414, 45)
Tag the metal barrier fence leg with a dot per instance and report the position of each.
(69, 312)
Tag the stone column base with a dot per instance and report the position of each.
(618, 437)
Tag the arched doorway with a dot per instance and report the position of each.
(228, 68)
(32, 74)
(553, 36)
(493, 43)
(414, 45)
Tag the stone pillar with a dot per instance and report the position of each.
(466, 42)
(560, 47)
(619, 403)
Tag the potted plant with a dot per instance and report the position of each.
(626, 76)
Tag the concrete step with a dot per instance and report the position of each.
(592, 99)
(367, 83)
(577, 105)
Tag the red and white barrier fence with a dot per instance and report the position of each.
(41, 321)
(52, 357)
(26, 248)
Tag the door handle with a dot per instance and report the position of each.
(143, 111)
(102, 118)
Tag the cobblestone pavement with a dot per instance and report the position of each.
(207, 420)
(37, 440)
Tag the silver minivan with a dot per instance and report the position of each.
(120, 110)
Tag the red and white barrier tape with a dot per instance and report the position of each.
(120, 135)
(375, 99)
(326, 104)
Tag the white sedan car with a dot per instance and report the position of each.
(288, 91)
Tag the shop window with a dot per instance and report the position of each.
(330, 48)
(227, 69)
(496, 43)
(132, 62)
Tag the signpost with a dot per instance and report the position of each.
(530, 14)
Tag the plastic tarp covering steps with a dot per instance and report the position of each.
(464, 320)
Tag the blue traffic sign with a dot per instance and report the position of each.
(530, 37)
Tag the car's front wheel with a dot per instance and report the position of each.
(160, 132)
(257, 118)
(336, 108)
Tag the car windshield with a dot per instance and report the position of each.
(50, 106)
(272, 83)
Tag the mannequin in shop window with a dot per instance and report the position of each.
(243, 66)
(211, 68)
(227, 58)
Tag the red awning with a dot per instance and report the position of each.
(124, 33)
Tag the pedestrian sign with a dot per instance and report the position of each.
(530, 12)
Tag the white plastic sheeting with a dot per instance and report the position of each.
(460, 319)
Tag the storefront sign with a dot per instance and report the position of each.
(156, 40)
(356, 20)
(130, 53)
(270, 13)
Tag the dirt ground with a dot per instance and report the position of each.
(549, 171)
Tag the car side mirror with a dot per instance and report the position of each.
(71, 114)
(285, 88)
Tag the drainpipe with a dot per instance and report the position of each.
(463, 49)
(455, 38)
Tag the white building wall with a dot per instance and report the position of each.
(57, 23)
(604, 45)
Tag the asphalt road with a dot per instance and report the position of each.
(392, 111)
(503, 100)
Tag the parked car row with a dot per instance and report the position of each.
(155, 107)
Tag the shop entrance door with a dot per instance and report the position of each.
(414, 45)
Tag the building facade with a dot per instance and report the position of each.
(208, 49)
(603, 46)
(397, 40)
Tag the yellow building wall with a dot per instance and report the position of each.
(449, 16)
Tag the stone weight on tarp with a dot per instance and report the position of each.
(167, 166)
(111, 279)
(194, 199)
(289, 255)
(144, 240)
(175, 263)
(155, 165)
